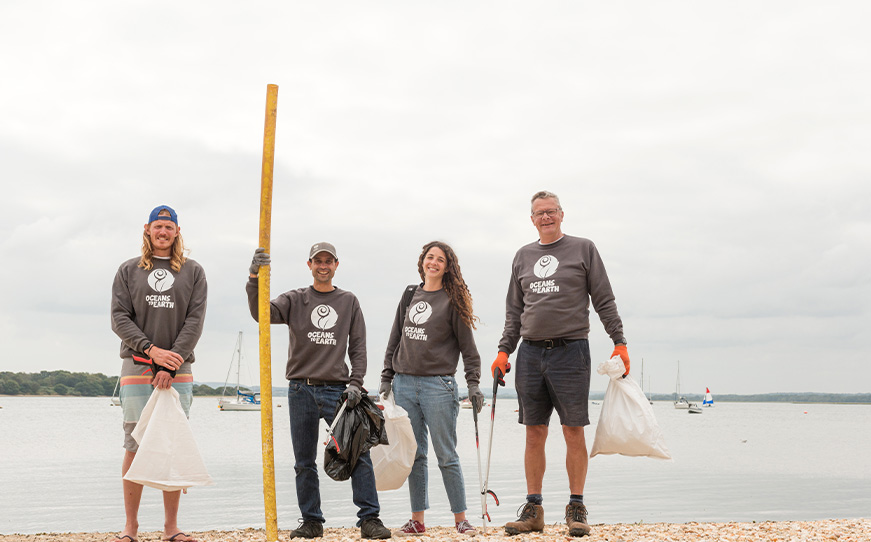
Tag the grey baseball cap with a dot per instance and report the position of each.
(322, 247)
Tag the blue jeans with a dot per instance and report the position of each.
(432, 403)
(307, 405)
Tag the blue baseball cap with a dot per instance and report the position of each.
(155, 214)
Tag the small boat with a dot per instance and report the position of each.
(708, 401)
(116, 401)
(680, 401)
(693, 408)
(244, 399)
(646, 395)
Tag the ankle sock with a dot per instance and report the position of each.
(534, 498)
(576, 498)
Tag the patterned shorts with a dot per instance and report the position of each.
(136, 389)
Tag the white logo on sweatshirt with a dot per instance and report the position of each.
(160, 281)
(544, 268)
(420, 313)
(324, 317)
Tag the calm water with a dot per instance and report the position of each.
(60, 461)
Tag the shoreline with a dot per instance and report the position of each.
(840, 530)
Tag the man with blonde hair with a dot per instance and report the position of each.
(158, 307)
(552, 283)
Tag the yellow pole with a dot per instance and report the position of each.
(264, 316)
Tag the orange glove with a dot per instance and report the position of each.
(502, 364)
(620, 350)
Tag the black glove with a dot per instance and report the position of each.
(261, 258)
(386, 389)
(353, 395)
(476, 397)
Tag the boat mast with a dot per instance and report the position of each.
(238, 361)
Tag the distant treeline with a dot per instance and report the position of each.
(67, 383)
(98, 384)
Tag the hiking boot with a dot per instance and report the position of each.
(308, 528)
(466, 528)
(530, 519)
(372, 528)
(576, 519)
(411, 528)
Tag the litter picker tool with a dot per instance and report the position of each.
(485, 487)
(484, 516)
(333, 426)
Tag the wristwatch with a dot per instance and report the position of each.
(621, 341)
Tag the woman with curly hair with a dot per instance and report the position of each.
(430, 331)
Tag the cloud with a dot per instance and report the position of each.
(714, 154)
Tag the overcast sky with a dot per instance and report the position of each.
(716, 153)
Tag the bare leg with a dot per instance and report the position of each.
(534, 460)
(576, 458)
(170, 510)
(418, 517)
(132, 497)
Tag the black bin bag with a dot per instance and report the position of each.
(356, 431)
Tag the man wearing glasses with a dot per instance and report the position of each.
(552, 283)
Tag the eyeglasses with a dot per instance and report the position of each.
(549, 212)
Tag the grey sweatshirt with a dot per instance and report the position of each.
(159, 306)
(322, 327)
(550, 291)
(430, 340)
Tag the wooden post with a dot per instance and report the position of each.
(264, 316)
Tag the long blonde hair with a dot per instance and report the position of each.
(176, 259)
(453, 283)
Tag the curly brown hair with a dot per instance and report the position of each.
(453, 283)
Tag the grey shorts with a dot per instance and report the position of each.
(553, 379)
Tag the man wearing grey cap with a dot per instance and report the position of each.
(324, 322)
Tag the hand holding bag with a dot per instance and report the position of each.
(168, 458)
(627, 425)
(392, 462)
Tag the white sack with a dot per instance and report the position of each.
(392, 462)
(168, 458)
(627, 425)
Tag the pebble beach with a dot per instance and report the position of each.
(840, 530)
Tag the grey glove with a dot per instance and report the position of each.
(353, 395)
(261, 258)
(386, 389)
(476, 397)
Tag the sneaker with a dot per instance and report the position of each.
(464, 527)
(372, 528)
(308, 529)
(576, 519)
(410, 528)
(530, 519)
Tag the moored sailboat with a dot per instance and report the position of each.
(243, 399)
(680, 401)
